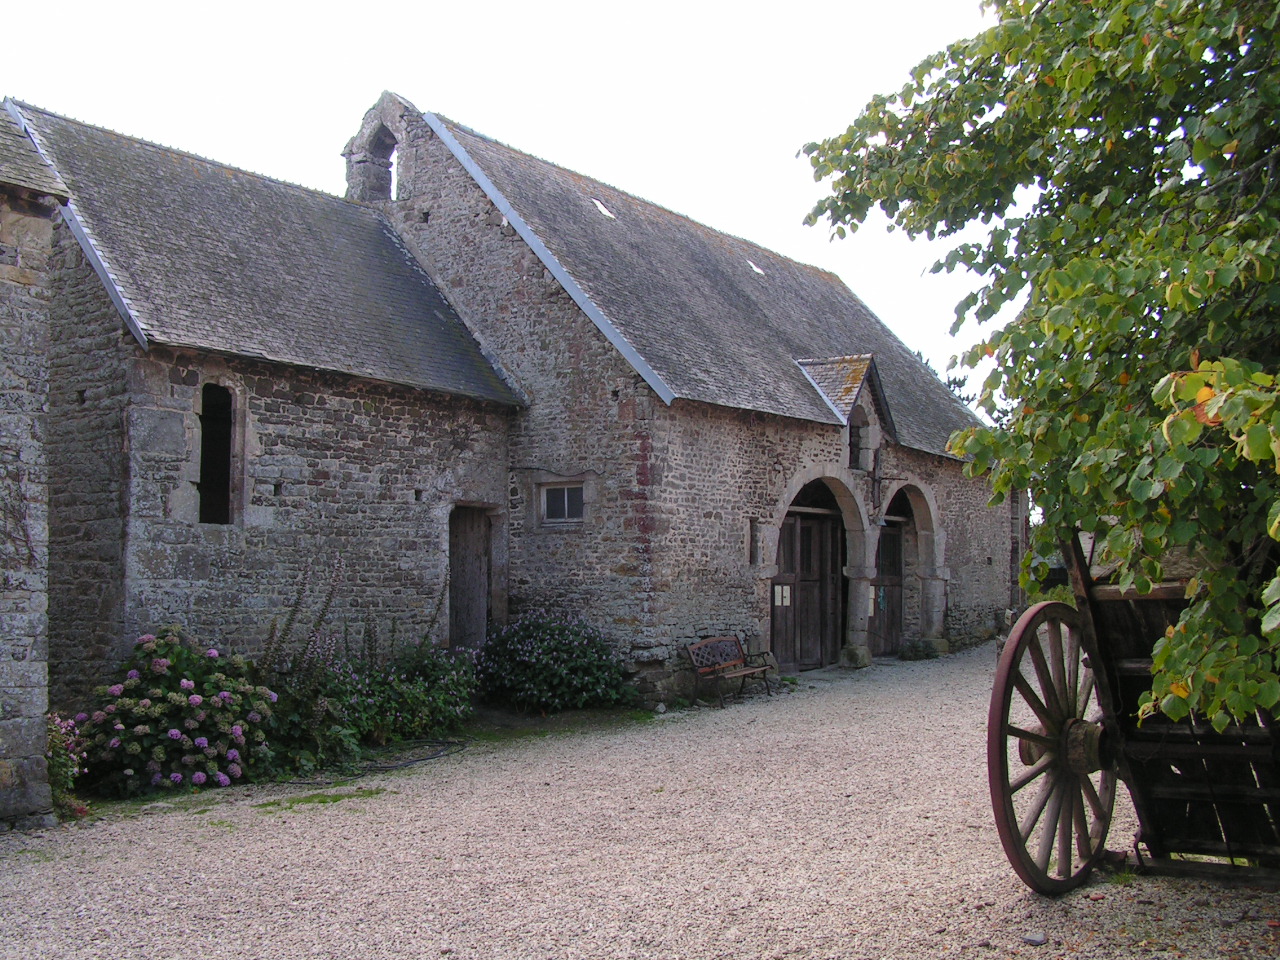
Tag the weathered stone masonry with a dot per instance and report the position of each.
(25, 230)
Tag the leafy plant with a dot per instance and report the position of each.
(543, 661)
(183, 716)
(1125, 154)
(65, 755)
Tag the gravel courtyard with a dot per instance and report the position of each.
(846, 819)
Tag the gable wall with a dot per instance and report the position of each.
(88, 353)
(25, 235)
(589, 416)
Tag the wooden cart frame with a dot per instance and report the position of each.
(1063, 729)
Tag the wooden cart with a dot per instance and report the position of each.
(1063, 728)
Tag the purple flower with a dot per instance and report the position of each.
(237, 731)
(202, 742)
(147, 638)
(115, 742)
(186, 684)
(141, 730)
(198, 777)
(195, 699)
(132, 675)
(81, 717)
(211, 653)
(225, 695)
(144, 703)
(159, 665)
(223, 779)
(175, 777)
(233, 754)
(254, 716)
(116, 689)
(157, 780)
(272, 696)
(175, 734)
(109, 708)
(234, 770)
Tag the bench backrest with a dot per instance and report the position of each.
(716, 653)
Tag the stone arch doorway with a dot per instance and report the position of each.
(907, 594)
(809, 614)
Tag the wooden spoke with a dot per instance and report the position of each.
(1055, 833)
(1032, 772)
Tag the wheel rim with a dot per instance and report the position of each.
(1051, 791)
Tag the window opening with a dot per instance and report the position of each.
(562, 504)
(215, 455)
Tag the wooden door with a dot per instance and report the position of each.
(808, 595)
(885, 626)
(469, 588)
(783, 617)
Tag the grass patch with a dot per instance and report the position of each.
(323, 797)
(39, 856)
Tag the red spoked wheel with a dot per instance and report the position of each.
(1052, 789)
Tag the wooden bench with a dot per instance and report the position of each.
(722, 658)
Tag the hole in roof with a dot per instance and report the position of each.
(603, 209)
(755, 268)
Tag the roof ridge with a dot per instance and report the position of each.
(177, 151)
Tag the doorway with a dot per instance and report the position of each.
(469, 576)
(808, 595)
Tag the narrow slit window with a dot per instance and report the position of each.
(215, 455)
(562, 504)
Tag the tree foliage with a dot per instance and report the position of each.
(1124, 154)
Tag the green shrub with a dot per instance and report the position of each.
(183, 716)
(333, 704)
(546, 662)
(65, 755)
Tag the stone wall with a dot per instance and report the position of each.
(25, 236)
(589, 417)
(88, 353)
(325, 468)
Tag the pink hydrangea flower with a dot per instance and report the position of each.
(116, 689)
(175, 734)
(237, 731)
(115, 742)
(175, 777)
(160, 665)
(234, 770)
(195, 699)
(202, 742)
(81, 717)
(157, 780)
(187, 684)
(144, 703)
(272, 696)
(211, 653)
(99, 716)
(198, 777)
(147, 638)
(109, 708)
(233, 754)
(223, 779)
(133, 675)
(119, 726)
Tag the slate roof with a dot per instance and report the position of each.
(21, 164)
(208, 256)
(843, 380)
(704, 315)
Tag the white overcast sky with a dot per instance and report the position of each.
(698, 106)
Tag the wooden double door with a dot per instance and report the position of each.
(808, 595)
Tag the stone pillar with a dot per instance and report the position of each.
(25, 234)
(856, 651)
(933, 607)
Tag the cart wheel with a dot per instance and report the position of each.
(1051, 790)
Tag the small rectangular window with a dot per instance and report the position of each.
(215, 455)
(562, 504)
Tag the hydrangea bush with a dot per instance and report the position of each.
(547, 662)
(182, 716)
(65, 755)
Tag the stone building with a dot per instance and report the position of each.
(30, 192)
(505, 386)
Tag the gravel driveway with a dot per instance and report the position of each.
(847, 819)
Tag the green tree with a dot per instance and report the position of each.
(1124, 154)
